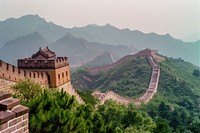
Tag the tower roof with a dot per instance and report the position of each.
(46, 52)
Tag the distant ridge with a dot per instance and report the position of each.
(102, 59)
(166, 45)
(21, 47)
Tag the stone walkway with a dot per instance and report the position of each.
(150, 92)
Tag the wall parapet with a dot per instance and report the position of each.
(30, 63)
(15, 74)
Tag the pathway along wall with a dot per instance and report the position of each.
(151, 90)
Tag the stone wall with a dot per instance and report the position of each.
(14, 74)
(150, 92)
(95, 70)
(108, 67)
(67, 87)
(13, 116)
(5, 85)
(10, 75)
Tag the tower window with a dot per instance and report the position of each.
(58, 76)
(63, 75)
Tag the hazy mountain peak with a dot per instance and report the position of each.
(31, 16)
(33, 37)
(22, 47)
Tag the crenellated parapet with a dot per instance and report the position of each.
(61, 61)
(15, 74)
(29, 63)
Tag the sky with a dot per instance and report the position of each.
(179, 18)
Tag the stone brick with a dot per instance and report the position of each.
(5, 95)
(20, 125)
(6, 116)
(25, 122)
(25, 116)
(25, 128)
(12, 122)
(19, 119)
(9, 103)
(9, 130)
(18, 131)
(3, 126)
(20, 110)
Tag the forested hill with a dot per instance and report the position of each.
(179, 87)
(130, 78)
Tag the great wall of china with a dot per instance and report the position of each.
(152, 87)
(50, 72)
(10, 75)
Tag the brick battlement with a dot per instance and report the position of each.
(29, 63)
(13, 116)
(15, 74)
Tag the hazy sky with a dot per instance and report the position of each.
(180, 18)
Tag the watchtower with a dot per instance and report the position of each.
(56, 68)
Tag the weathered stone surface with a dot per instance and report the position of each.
(20, 110)
(9, 103)
(12, 122)
(6, 116)
(25, 116)
(3, 126)
(5, 95)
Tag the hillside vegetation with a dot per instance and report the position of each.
(128, 79)
(177, 101)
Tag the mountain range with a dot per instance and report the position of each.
(94, 36)
(79, 50)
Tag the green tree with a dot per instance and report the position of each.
(55, 112)
(26, 90)
(196, 73)
(162, 126)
